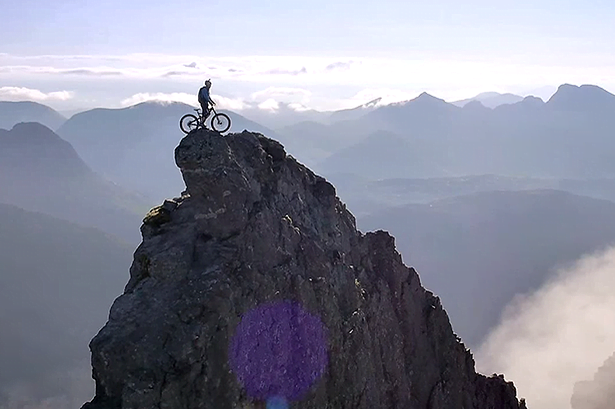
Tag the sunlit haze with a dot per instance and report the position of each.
(317, 54)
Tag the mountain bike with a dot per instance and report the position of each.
(220, 122)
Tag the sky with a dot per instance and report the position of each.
(319, 54)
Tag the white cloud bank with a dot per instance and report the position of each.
(559, 335)
(321, 83)
(268, 99)
(190, 99)
(29, 94)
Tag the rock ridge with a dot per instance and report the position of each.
(255, 281)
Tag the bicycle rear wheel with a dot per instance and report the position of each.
(188, 123)
(220, 122)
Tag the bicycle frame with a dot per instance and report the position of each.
(200, 113)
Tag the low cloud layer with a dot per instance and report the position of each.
(28, 94)
(190, 99)
(268, 99)
(559, 335)
(331, 80)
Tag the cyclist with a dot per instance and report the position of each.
(205, 100)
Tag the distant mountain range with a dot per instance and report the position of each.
(12, 113)
(570, 136)
(291, 114)
(41, 172)
(477, 251)
(354, 113)
(567, 137)
(134, 146)
(490, 99)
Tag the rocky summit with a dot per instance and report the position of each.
(254, 289)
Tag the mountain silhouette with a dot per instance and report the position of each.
(41, 172)
(134, 146)
(563, 138)
(404, 113)
(490, 99)
(354, 113)
(582, 98)
(12, 113)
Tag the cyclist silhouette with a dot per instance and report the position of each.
(205, 100)
(220, 122)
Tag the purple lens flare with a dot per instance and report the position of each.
(278, 351)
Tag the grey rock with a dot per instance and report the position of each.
(255, 226)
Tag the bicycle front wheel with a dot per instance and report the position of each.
(220, 123)
(188, 123)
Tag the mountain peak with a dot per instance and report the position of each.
(475, 105)
(12, 113)
(532, 101)
(260, 255)
(372, 103)
(424, 96)
(582, 98)
(491, 99)
(424, 100)
(34, 132)
(32, 147)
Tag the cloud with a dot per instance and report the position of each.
(559, 335)
(269, 105)
(286, 93)
(339, 66)
(298, 107)
(45, 70)
(86, 71)
(178, 73)
(236, 104)
(448, 77)
(271, 98)
(29, 94)
(190, 99)
(186, 98)
(281, 71)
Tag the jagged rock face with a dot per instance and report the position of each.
(598, 393)
(255, 284)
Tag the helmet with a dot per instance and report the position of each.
(208, 83)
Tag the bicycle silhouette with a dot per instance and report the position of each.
(220, 122)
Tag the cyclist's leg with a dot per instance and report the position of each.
(204, 113)
(207, 113)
